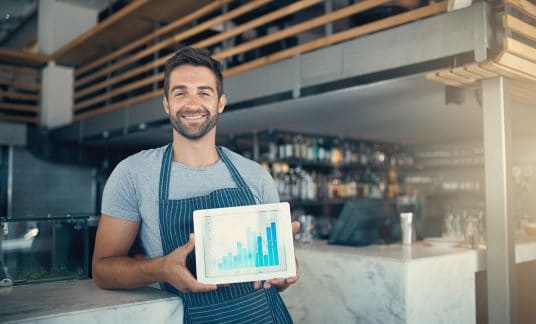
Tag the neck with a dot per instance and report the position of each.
(195, 153)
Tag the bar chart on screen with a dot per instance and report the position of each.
(244, 243)
(241, 244)
(260, 251)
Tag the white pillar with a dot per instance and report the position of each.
(500, 221)
(59, 23)
(56, 95)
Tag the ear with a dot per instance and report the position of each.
(165, 103)
(222, 102)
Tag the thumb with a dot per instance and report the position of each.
(189, 246)
(295, 227)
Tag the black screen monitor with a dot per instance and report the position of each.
(360, 221)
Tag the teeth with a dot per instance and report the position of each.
(194, 117)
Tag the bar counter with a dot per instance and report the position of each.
(338, 284)
(389, 283)
(81, 301)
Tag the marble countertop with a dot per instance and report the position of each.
(392, 252)
(38, 301)
(525, 251)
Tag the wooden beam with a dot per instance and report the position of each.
(517, 63)
(152, 36)
(434, 77)
(118, 105)
(524, 6)
(131, 86)
(447, 74)
(296, 29)
(18, 107)
(25, 119)
(21, 84)
(18, 95)
(519, 26)
(475, 68)
(204, 43)
(463, 72)
(523, 91)
(520, 49)
(174, 40)
(432, 9)
(122, 76)
(10, 56)
(506, 71)
(285, 11)
(132, 6)
(15, 70)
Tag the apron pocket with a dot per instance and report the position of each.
(251, 308)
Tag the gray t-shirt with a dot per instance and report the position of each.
(131, 192)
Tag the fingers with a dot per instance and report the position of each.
(199, 287)
(189, 284)
(295, 227)
(257, 285)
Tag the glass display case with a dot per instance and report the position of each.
(43, 249)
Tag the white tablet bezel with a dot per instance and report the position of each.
(284, 226)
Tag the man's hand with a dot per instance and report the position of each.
(282, 283)
(177, 274)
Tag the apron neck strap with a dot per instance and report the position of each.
(163, 188)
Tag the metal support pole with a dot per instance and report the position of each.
(10, 182)
(328, 7)
(500, 223)
(256, 146)
(156, 55)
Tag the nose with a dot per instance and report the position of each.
(193, 102)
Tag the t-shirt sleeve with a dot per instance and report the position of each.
(119, 197)
(268, 189)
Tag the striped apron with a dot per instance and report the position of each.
(235, 303)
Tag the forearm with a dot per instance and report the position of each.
(125, 272)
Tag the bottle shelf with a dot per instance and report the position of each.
(327, 165)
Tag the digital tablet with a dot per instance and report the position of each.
(247, 243)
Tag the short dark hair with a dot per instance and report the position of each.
(196, 57)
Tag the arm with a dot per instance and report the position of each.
(112, 268)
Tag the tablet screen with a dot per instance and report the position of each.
(246, 243)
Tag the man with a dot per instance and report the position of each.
(155, 191)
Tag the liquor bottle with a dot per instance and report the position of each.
(363, 154)
(336, 153)
(281, 148)
(321, 150)
(310, 155)
(288, 148)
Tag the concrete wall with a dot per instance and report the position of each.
(59, 22)
(12, 133)
(41, 188)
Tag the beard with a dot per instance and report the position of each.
(195, 131)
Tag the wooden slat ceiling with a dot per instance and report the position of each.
(131, 22)
(13, 57)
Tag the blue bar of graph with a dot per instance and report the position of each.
(251, 255)
(269, 240)
(274, 246)
(259, 252)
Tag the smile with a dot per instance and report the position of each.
(194, 117)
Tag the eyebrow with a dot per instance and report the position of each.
(183, 87)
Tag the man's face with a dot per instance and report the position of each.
(192, 103)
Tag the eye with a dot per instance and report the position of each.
(179, 93)
(205, 94)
